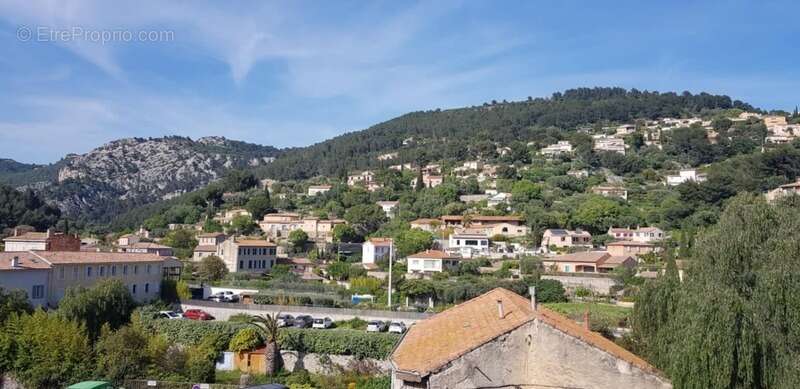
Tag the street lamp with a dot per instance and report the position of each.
(391, 254)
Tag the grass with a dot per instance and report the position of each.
(599, 313)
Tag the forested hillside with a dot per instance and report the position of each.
(460, 133)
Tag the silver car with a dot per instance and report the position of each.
(397, 327)
(376, 326)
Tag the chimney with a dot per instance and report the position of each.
(14, 262)
(586, 324)
(532, 292)
(500, 313)
(16, 231)
(49, 232)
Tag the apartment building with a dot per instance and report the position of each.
(247, 255)
(560, 147)
(607, 143)
(50, 240)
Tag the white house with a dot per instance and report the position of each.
(431, 261)
(468, 243)
(565, 238)
(388, 207)
(685, 175)
(560, 147)
(314, 190)
(375, 249)
(499, 199)
(607, 143)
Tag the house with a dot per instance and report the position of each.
(685, 175)
(588, 262)
(627, 247)
(247, 255)
(560, 147)
(227, 216)
(428, 181)
(147, 247)
(365, 178)
(565, 238)
(607, 143)
(314, 190)
(626, 129)
(610, 191)
(401, 167)
(279, 224)
(431, 261)
(468, 243)
(141, 273)
(207, 244)
(499, 199)
(430, 225)
(503, 340)
(473, 198)
(775, 194)
(320, 229)
(127, 239)
(387, 156)
(42, 241)
(774, 121)
(26, 272)
(578, 173)
(468, 167)
(298, 266)
(375, 249)
(640, 234)
(510, 226)
(388, 207)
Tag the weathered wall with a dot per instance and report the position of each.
(537, 355)
(600, 285)
(319, 364)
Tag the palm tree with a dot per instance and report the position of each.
(267, 326)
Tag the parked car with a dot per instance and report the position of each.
(217, 297)
(230, 296)
(376, 326)
(285, 320)
(322, 323)
(169, 315)
(397, 327)
(302, 321)
(197, 314)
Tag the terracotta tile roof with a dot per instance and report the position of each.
(434, 254)
(146, 245)
(210, 235)
(320, 187)
(584, 256)
(27, 237)
(254, 242)
(424, 221)
(614, 260)
(27, 261)
(67, 257)
(432, 343)
(294, 261)
(206, 248)
(480, 218)
(629, 243)
(381, 241)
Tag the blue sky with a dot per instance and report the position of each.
(293, 73)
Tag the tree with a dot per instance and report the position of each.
(49, 351)
(212, 268)
(345, 233)
(246, 339)
(597, 214)
(13, 301)
(267, 327)
(733, 321)
(182, 240)
(412, 241)
(108, 302)
(549, 291)
(298, 239)
(243, 225)
(259, 204)
(122, 354)
(211, 225)
(365, 218)
(239, 180)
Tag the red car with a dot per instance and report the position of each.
(197, 314)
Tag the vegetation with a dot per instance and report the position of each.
(212, 268)
(267, 328)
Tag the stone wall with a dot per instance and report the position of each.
(326, 364)
(601, 285)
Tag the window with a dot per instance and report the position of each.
(37, 292)
(429, 264)
(75, 273)
(470, 242)
(113, 270)
(241, 251)
(124, 269)
(88, 271)
(135, 269)
(567, 268)
(61, 273)
(102, 271)
(133, 288)
(147, 288)
(148, 268)
(241, 264)
(505, 229)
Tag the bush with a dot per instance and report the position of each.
(245, 339)
(282, 299)
(337, 341)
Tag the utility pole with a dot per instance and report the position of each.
(391, 254)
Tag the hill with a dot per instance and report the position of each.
(459, 133)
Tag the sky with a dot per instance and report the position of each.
(77, 74)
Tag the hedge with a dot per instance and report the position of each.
(331, 341)
(282, 299)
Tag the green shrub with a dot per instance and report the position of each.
(334, 341)
(245, 339)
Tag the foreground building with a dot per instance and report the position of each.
(55, 241)
(503, 340)
(46, 275)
